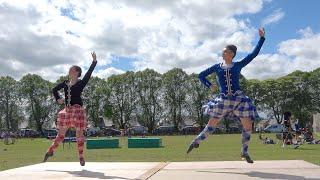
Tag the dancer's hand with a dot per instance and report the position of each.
(261, 32)
(214, 87)
(60, 101)
(94, 56)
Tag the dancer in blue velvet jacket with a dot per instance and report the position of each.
(231, 99)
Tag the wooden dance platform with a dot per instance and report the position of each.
(286, 169)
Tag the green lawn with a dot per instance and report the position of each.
(216, 148)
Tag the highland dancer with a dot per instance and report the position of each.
(73, 115)
(231, 99)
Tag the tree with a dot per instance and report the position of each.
(288, 93)
(197, 96)
(314, 88)
(38, 100)
(253, 88)
(148, 109)
(300, 97)
(175, 90)
(272, 98)
(10, 109)
(122, 98)
(95, 99)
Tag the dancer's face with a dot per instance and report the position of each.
(227, 54)
(73, 73)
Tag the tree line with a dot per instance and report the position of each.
(148, 97)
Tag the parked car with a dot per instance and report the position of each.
(190, 130)
(70, 139)
(110, 132)
(50, 133)
(274, 128)
(233, 129)
(137, 130)
(29, 133)
(6, 134)
(71, 132)
(70, 135)
(259, 129)
(92, 131)
(163, 130)
(218, 130)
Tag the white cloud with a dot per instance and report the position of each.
(293, 54)
(267, 66)
(267, 1)
(105, 73)
(307, 32)
(37, 38)
(22, 50)
(276, 16)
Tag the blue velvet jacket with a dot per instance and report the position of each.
(228, 78)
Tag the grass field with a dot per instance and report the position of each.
(216, 148)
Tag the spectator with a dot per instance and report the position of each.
(288, 131)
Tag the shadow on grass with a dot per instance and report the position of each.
(308, 149)
(159, 147)
(89, 174)
(264, 175)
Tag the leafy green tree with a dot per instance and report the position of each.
(95, 100)
(10, 106)
(149, 98)
(175, 90)
(38, 100)
(122, 98)
(197, 96)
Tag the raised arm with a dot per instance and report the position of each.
(255, 52)
(202, 76)
(87, 76)
(56, 89)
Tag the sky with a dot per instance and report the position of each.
(46, 37)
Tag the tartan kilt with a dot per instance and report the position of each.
(72, 116)
(237, 106)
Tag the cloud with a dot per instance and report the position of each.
(23, 51)
(267, 66)
(292, 54)
(267, 1)
(196, 34)
(46, 37)
(276, 16)
(105, 73)
(303, 51)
